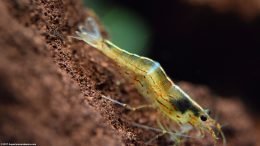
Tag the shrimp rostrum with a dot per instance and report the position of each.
(153, 83)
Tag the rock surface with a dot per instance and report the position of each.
(51, 86)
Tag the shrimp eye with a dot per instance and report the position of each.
(203, 118)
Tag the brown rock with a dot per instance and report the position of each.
(50, 86)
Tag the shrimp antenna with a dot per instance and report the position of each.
(224, 141)
(219, 127)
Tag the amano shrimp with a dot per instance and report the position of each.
(152, 82)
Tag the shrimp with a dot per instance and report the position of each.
(152, 82)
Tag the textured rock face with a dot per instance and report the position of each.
(50, 86)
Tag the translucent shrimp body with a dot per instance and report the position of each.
(152, 82)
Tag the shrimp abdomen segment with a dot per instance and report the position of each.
(146, 70)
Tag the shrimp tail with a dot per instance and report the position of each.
(89, 33)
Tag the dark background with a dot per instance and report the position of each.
(200, 45)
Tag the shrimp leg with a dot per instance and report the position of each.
(163, 130)
(127, 106)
